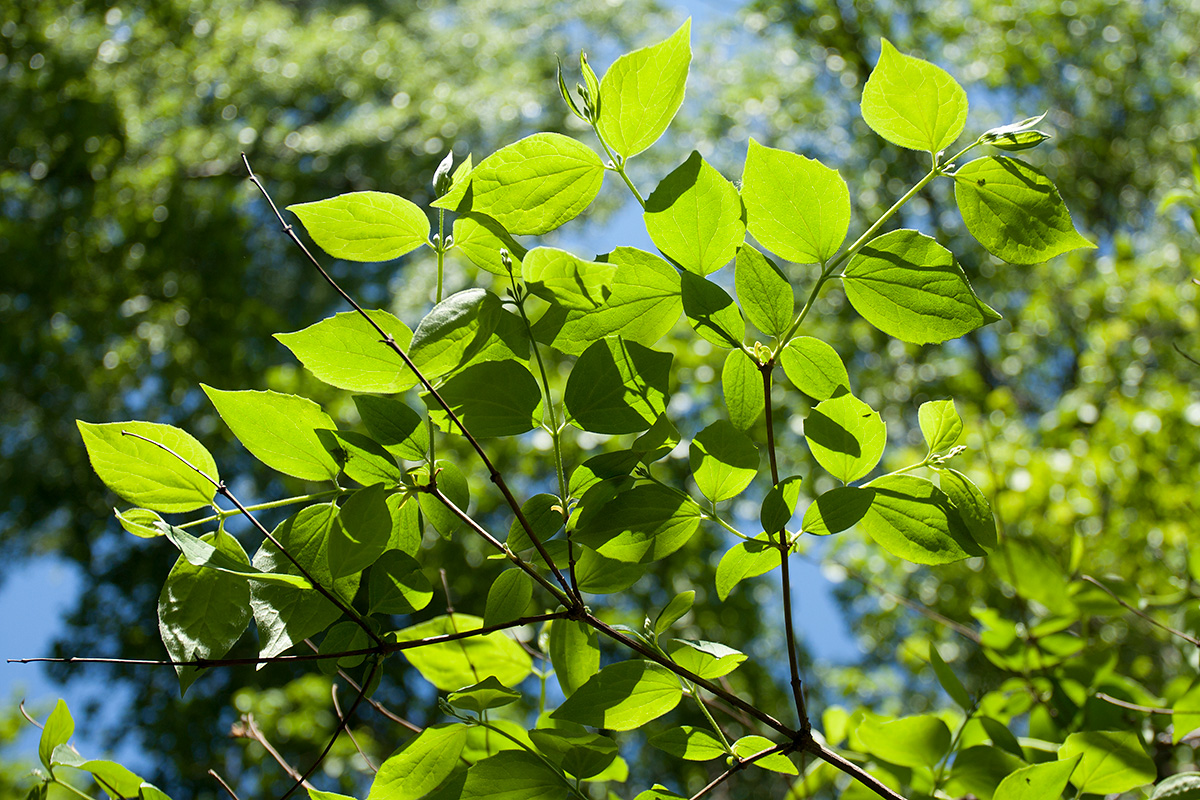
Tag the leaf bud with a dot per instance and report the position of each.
(442, 180)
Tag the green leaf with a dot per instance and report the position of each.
(658, 793)
(1112, 761)
(680, 604)
(814, 367)
(913, 103)
(642, 91)
(747, 559)
(452, 665)
(406, 523)
(711, 311)
(765, 294)
(1014, 210)
(940, 424)
(689, 743)
(141, 522)
(400, 430)
(513, 775)
(581, 754)
(317, 794)
(343, 637)
(918, 741)
(796, 207)
(695, 217)
(422, 763)
(535, 185)
(948, 680)
(1187, 714)
(488, 693)
(913, 519)
(837, 510)
(480, 239)
(972, 506)
(366, 462)
(492, 398)
(617, 386)
(544, 514)
(556, 276)
(145, 474)
(117, 781)
(574, 650)
(460, 181)
(508, 598)
(1180, 786)
(658, 442)
(453, 331)
(599, 575)
(203, 612)
(909, 286)
(200, 553)
(361, 533)
(643, 524)
(1037, 782)
(452, 483)
(709, 660)
(347, 352)
(364, 226)
(643, 304)
(280, 430)
(980, 769)
(623, 696)
(742, 387)
(846, 436)
(723, 460)
(59, 729)
(779, 505)
(397, 585)
(748, 746)
(286, 615)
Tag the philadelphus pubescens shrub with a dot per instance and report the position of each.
(349, 563)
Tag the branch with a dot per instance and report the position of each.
(1174, 632)
(850, 768)
(375, 704)
(224, 785)
(739, 765)
(337, 707)
(386, 339)
(251, 731)
(1133, 706)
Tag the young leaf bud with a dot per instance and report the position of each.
(442, 180)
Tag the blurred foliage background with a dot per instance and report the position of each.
(138, 263)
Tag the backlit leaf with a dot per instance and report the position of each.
(574, 652)
(846, 436)
(745, 560)
(723, 460)
(491, 398)
(689, 743)
(1111, 762)
(940, 424)
(346, 352)
(420, 764)
(280, 430)
(695, 217)
(711, 311)
(913, 519)
(364, 226)
(742, 387)
(508, 598)
(642, 91)
(765, 294)
(617, 387)
(623, 696)
(556, 276)
(814, 367)
(452, 665)
(913, 103)
(145, 474)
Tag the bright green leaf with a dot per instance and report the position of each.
(365, 460)
(347, 352)
(711, 311)
(940, 424)
(453, 484)
(680, 604)
(58, 729)
(623, 696)
(948, 680)
(748, 746)
(709, 660)
(556, 276)
(545, 516)
(918, 741)
(837, 510)
(972, 506)
(280, 430)
(642, 91)
(798, 208)
(513, 775)
(913, 103)
(509, 596)
(909, 286)
(745, 560)
(480, 239)
(742, 387)
(452, 665)
(695, 217)
(723, 460)
(360, 534)
(1037, 782)
(201, 553)
(617, 387)
(599, 575)
(581, 754)
(1014, 210)
(763, 291)
(488, 693)
(453, 331)
(400, 430)
(422, 763)
(846, 436)
(145, 474)
(913, 519)
(814, 367)
(574, 651)
(364, 226)
(689, 743)
(643, 524)
(141, 522)
(1112, 761)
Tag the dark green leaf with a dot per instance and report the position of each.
(366, 461)
(280, 430)
(623, 696)
(453, 484)
(406, 523)
(145, 474)
(364, 226)
(508, 598)
(948, 680)
(642, 91)
(913, 519)
(909, 286)
(780, 504)
(513, 775)
(361, 532)
(400, 430)
(814, 367)
(343, 637)
(346, 352)
(973, 507)
(643, 524)
(837, 510)
(763, 291)
(397, 585)
(797, 207)
(913, 103)
(581, 754)
(1014, 210)
(544, 514)
(723, 460)
(203, 612)
(617, 387)
(492, 398)
(846, 436)
(599, 575)
(200, 553)
(978, 770)
(711, 311)
(658, 442)
(695, 217)
(488, 693)
(574, 651)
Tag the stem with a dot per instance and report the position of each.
(850, 768)
(287, 501)
(708, 715)
(1173, 631)
(69, 787)
(441, 251)
(739, 765)
(386, 339)
(618, 166)
(784, 571)
(223, 490)
(224, 785)
(941, 769)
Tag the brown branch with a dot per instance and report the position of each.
(853, 770)
(342, 723)
(739, 765)
(386, 338)
(337, 707)
(224, 785)
(375, 704)
(1173, 631)
(250, 730)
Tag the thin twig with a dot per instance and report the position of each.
(1173, 631)
(375, 704)
(739, 765)
(1132, 706)
(223, 490)
(342, 723)
(250, 730)
(386, 338)
(28, 718)
(853, 770)
(337, 707)
(224, 785)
